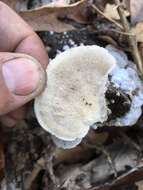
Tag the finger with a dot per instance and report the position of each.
(18, 114)
(21, 79)
(16, 35)
(13, 117)
(7, 121)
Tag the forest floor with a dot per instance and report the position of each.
(109, 158)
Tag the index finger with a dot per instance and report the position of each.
(17, 36)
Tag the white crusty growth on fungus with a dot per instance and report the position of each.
(125, 77)
(74, 97)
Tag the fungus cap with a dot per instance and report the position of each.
(65, 144)
(74, 98)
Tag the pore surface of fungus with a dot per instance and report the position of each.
(74, 98)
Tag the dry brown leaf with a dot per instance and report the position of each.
(138, 31)
(136, 10)
(10, 3)
(111, 11)
(58, 19)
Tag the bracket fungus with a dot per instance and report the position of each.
(74, 98)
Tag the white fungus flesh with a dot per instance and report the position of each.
(74, 98)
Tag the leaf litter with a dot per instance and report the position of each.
(109, 157)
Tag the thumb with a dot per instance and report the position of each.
(21, 79)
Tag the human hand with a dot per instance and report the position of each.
(22, 62)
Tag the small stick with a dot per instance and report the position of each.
(123, 33)
(108, 18)
(131, 39)
(39, 165)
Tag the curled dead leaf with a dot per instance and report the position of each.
(58, 19)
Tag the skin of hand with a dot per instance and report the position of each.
(23, 60)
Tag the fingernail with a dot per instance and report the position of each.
(21, 76)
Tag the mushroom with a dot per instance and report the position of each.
(74, 98)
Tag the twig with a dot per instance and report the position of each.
(49, 155)
(108, 39)
(37, 168)
(123, 33)
(105, 152)
(108, 18)
(131, 39)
